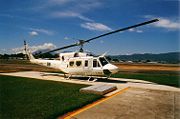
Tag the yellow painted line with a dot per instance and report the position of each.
(68, 116)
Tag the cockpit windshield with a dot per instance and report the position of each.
(103, 61)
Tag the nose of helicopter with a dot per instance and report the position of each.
(111, 69)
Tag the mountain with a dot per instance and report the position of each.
(171, 57)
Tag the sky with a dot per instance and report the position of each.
(49, 24)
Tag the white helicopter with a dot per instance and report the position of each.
(81, 63)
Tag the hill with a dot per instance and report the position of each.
(171, 57)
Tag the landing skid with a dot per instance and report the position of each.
(90, 79)
(70, 76)
(94, 79)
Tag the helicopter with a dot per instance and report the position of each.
(81, 63)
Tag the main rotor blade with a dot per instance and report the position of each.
(81, 42)
(122, 29)
(61, 48)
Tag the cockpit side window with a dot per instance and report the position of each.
(98, 64)
(103, 61)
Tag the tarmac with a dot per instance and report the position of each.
(133, 99)
(134, 103)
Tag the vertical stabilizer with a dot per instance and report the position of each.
(28, 52)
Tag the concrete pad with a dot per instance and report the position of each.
(136, 103)
(100, 89)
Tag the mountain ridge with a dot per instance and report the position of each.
(169, 57)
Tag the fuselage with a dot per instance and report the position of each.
(85, 65)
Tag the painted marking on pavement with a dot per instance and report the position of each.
(71, 114)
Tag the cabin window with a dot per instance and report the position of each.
(96, 63)
(86, 63)
(71, 63)
(62, 58)
(78, 63)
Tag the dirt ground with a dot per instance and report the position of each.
(148, 67)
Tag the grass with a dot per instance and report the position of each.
(37, 99)
(163, 78)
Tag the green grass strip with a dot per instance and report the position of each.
(38, 99)
(164, 79)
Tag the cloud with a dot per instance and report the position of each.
(40, 30)
(73, 8)
(10, 16)
(85, 18)
(70, 14)
(33, 33)
(73, 5)
(59, 2)
(135, 30)
(101, 41)
(44, 47)
(95, 26)
(3, 51)
(69, 9)
(87, 5)
(139, 31)
(66, 38)
(165, 23)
